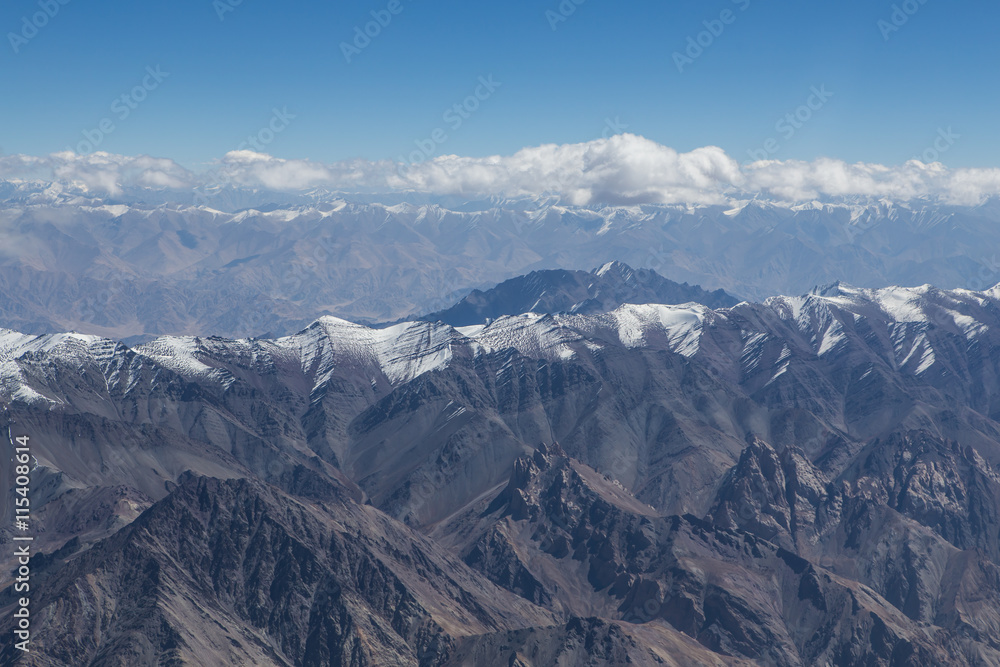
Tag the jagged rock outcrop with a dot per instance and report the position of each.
(235, 572)
(566, 536)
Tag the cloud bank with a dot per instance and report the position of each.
(623, 169)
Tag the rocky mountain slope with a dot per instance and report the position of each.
(806, 480)
(571, 539)
(316, 581)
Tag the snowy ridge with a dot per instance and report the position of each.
(676, 328)
(923, 304)
(184, 356)
(14, 344)
(921, 325)
(401, 352)
(531, 334)
(920, 329)
(681, 326)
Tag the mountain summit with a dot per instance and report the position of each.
(579, 292)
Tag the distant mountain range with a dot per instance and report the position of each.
(250, 263)
(807, 480)
(560, 291)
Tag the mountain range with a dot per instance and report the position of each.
(238, 263)
(803, 480)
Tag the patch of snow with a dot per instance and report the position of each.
(470, 331)
(401, 352)
(786, 353)
(926, 361)
(178, 353)
(903, 304)
(831, 338)
(919, 345)
(14, 386)
(969, 325)
(14, 344)
(681, 325)
(533, 335)
(785, 360)
(753, 350)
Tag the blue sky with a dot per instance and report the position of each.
(605, 61)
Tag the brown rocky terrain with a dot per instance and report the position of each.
(806, 481)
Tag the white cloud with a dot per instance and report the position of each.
(252, 169)
(101, 172)
(798, 181)
(623, 169)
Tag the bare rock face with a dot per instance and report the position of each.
(905, 520)
(758, 497)
(735, 593)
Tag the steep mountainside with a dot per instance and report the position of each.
(314, 581)
(566, 537)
